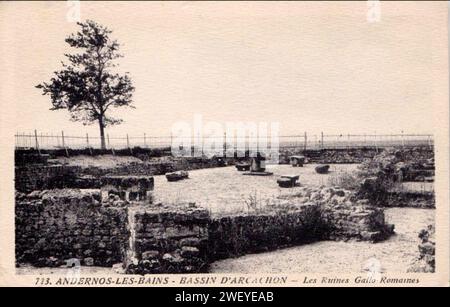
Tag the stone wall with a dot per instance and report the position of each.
(345, 216)
(378, 178)
(170, 239)
(358, 221)
(232, 236)
(413, 155)
(327, 156)
(54, 226)
(154, 167)
(33, 177)
(424, 200)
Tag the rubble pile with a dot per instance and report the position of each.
(425, 263)
(346, 216)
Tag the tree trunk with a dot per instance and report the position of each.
(102, 133)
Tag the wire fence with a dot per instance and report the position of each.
(304, 141)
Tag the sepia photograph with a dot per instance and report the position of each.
(224, 143)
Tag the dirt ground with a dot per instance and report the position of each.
(393, 255)
(225, 190)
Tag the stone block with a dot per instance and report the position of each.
(176, 176)
(322, 169)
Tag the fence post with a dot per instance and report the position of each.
(109, 145)
(87, 143)
(306, 141)
(403, 141)
(321, 141)
(128, 144)
(224, 144)
(57, 140)
(64, 143)
(145, 141)
(376, 143)
(36, 140)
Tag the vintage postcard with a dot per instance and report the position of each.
(224, 144)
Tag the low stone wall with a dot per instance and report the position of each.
(414, 155)
(358, 221)
(170, 239)
(330, 156)
(33, 177)
(185, 239)
(232, 236)
(345, 216)
(425, 200)
(54, 226)
(158, 167)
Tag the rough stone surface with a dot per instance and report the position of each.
(344, 215)
(29, 178)
(378, 175)
(322, 169)
(176, 176)
(53, 226)
(232, 236)
(171, 239)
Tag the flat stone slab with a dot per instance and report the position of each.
(258, 174)
(176, 176)
(291, 177)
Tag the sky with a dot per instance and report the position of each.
(307, 66)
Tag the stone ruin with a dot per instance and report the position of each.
(119, 224)
(55, 226)
(170, 239)
(127, 188)
(258, 166)
(297, 160)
